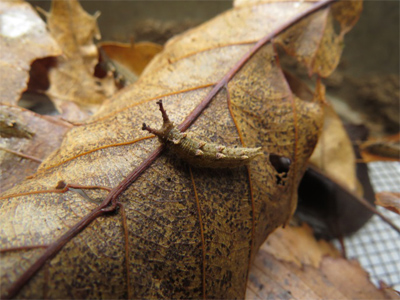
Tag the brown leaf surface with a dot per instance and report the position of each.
(73, 86)
(26, 139)
(319, 272)
(184, 232)
(130, 59)
(381, 149)
(334, 152)
(389, 200)
(23, 38)
(299, 246)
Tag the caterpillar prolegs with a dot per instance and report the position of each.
(199, 153)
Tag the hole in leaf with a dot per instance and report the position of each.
(34, 98)
(38, 74)
(280, 163)
(38, 103)
(282, 167)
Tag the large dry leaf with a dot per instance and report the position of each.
(23, 38)
(73, 86)
(26, 139)
(184, 232)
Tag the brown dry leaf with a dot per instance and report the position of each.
(334, 152)
(389, 291)
(23, 39)
(26, 139)
(299, 246)
(73, 86)
(315, 275)
(184, 232)
(130, 59)
(389, 200)
(381, 149)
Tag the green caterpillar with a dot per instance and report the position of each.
(199, 153)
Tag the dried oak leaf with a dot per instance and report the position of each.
(334, 153)
(334, 190)
(26, 138)
(23, 39)
(381, 149)
(389, 200)
(129, 60)
(286, 269)
(184, 232)
(73, 86)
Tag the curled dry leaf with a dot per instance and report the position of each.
(381, 149)
(179, 232)
(332, 199)
(319, 274)
(23, 39)
(73, 86)
(389, 200)
(334, 153)
(26, 139)
(323, 203)
(129, 60)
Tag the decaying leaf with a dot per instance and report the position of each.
(176, 231)
(23, 38)
(298, 245)
(129, 60)
(323, 202)
(381, 149)
(331, 195)
(389, 200)
(332, 209)
(334, 153)
(73, 86)
(274, 275)
(26, 139)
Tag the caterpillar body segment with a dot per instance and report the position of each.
(199, 153)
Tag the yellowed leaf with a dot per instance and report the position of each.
(334, 152)
(130, 59)
(73, 86)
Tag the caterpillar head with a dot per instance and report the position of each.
(165, 129)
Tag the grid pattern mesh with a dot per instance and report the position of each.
(377, 246)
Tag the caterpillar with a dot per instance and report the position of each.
(199, 153)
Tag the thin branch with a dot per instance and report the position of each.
(17, 153)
